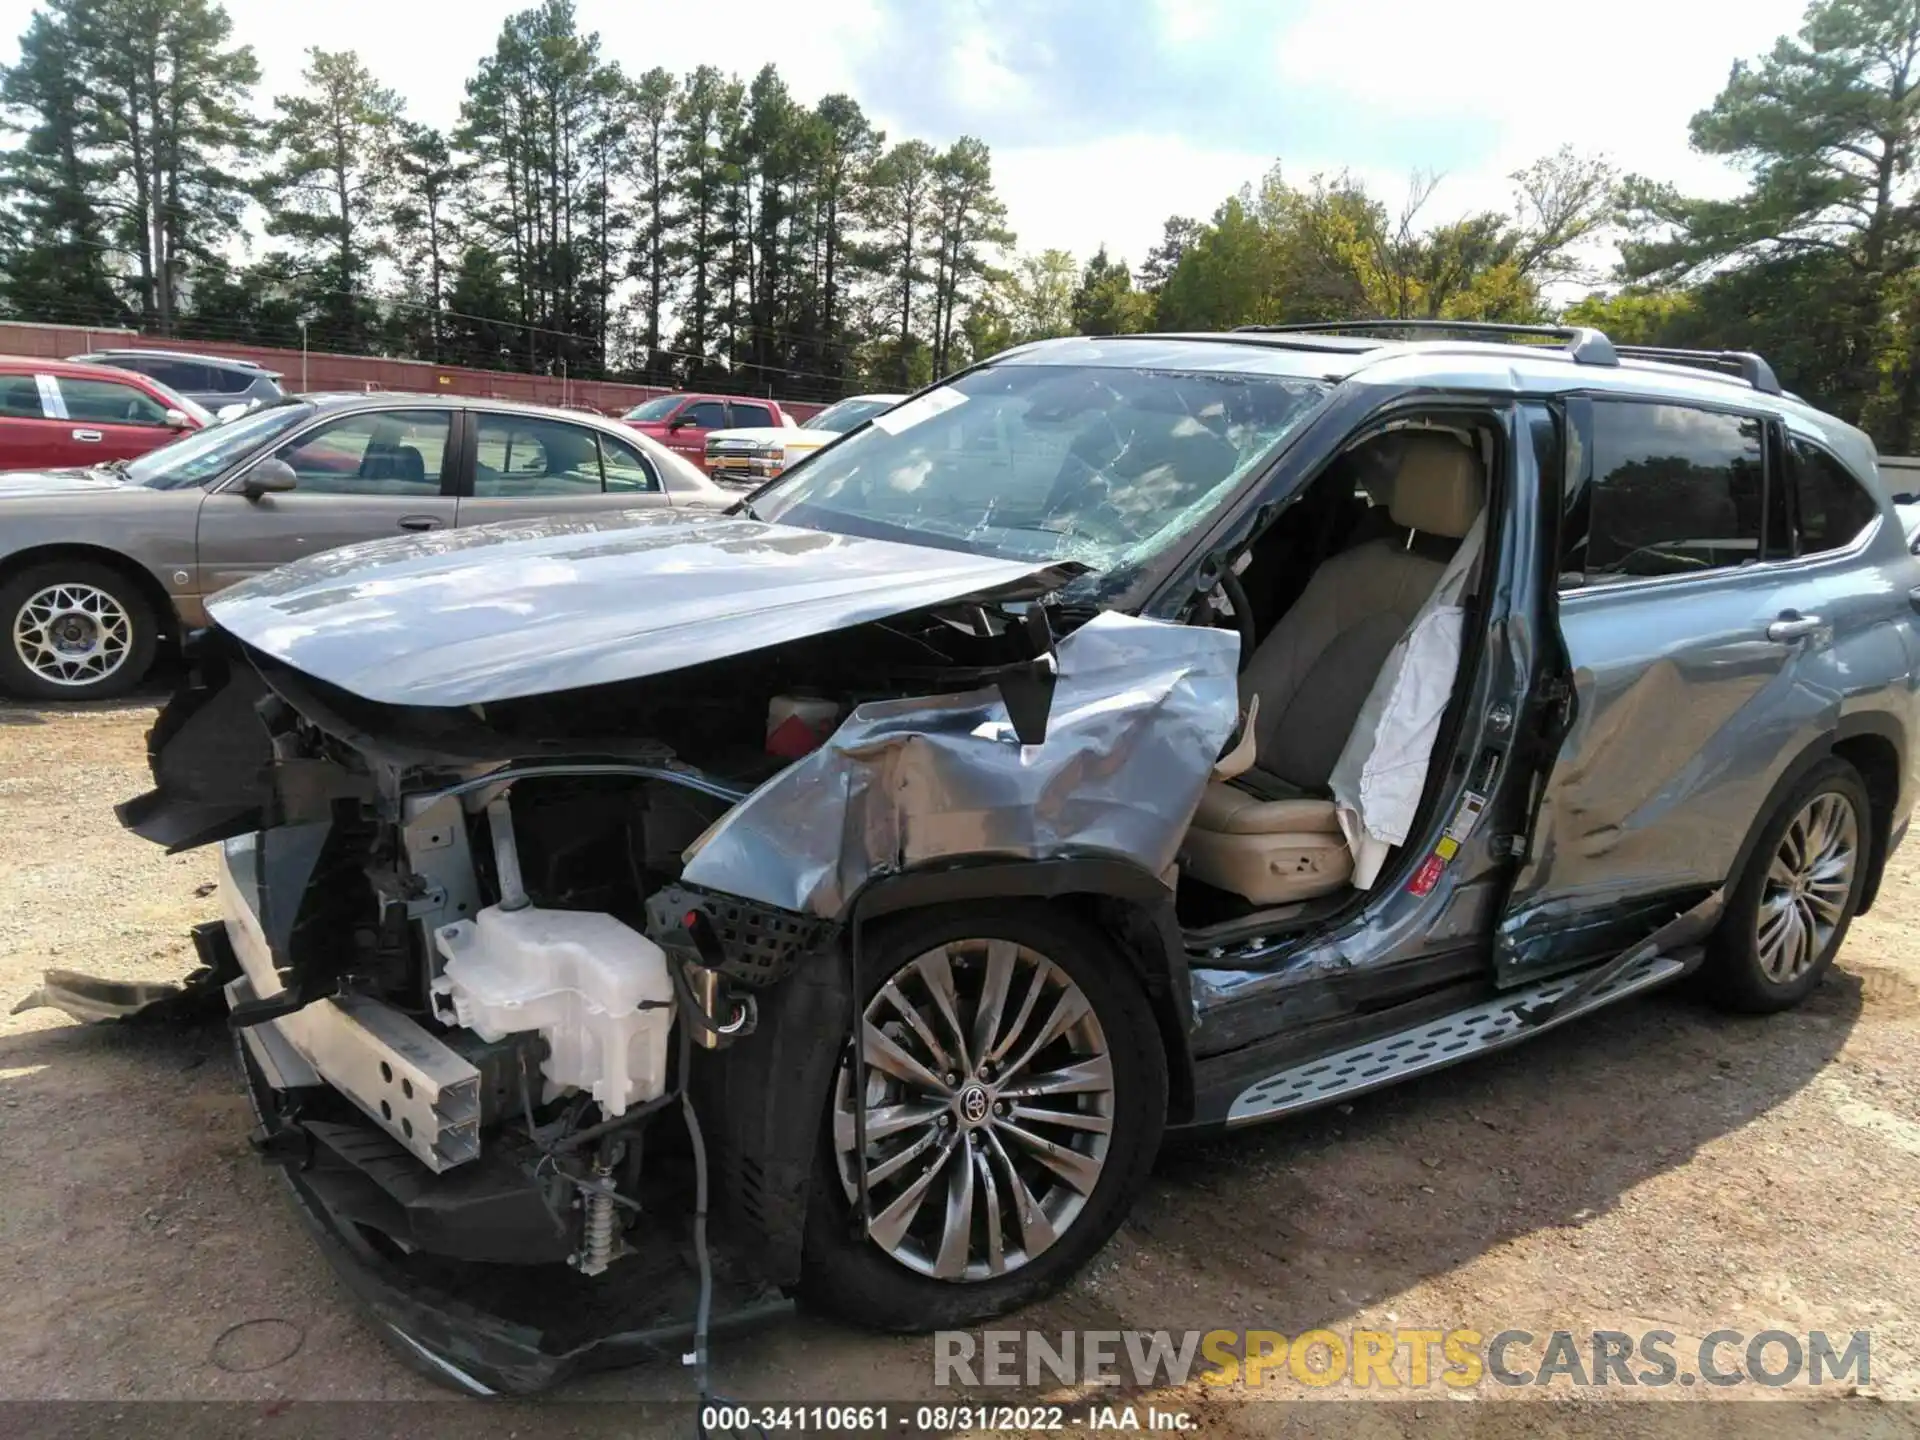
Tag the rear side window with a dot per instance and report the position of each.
(20, 398)
(1834, 507)
(108, 402)
(516, 458)
(626, 469)
(228, 382)
(180, 374)
(749, 416)
(1663, 490)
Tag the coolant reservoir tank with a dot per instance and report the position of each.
(598, 991)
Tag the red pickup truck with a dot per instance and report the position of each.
(683, 422)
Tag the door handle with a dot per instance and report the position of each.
(419, 522)
(92, 437)
(1793, 627)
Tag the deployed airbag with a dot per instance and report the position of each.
(1380, 775)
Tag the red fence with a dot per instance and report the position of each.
(321, 371)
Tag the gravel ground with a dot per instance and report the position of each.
(1655, 1166)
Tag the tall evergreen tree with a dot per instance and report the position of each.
(967, 225)
(427, 178)
(54, 260)
(1826, 125)
(899, 193)
(333, 185)
(173, 134)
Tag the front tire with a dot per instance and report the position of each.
(1788, 915)
(74, 630)
(1016, 1093)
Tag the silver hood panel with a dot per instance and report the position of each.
(532, 607)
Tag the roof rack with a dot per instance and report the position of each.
(1743, 363)
(1583, 344)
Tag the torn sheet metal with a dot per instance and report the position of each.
(1139, 714)
(1381, 774)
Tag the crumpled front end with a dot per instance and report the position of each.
(529, 989)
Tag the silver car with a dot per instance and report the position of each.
(99, 565)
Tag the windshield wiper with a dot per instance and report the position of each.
(114, 467)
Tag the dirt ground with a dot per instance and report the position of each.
(1656, 1166)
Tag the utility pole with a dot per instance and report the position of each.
(303, 354)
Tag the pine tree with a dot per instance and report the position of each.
(333, 185)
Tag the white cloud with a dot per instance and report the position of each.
(1522, 78)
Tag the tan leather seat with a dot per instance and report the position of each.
(1270, 835)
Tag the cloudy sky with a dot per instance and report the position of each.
(1105, 116)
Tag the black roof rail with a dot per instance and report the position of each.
(1744, 363)
(1583, 344)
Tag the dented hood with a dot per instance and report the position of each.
(532, 607)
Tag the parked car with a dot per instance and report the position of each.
(754, 456)
(683, 422)
(55, 413)
(97, 566)
(215, 381)
(1149, 779)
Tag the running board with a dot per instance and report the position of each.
(1489, 1025)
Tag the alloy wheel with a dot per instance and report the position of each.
(72, 634)
(1808, 884)
(989, 1109)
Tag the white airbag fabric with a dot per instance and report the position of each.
(1380, 775)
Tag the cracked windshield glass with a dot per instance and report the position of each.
(1087, 463)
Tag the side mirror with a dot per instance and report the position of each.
(177, 420)
(680, 421)
(272, 476)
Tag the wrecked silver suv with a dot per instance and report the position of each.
(1127, 734)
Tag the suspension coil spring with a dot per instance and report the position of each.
(597, 1225)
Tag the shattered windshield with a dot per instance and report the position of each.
(1098, 464)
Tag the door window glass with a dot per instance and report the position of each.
(1673, 491)
(109, 402)
(1834, 507)
(707, 415)
(627, 469)
(382, 452)
(748, 416)
(517, 456)
(20, 398)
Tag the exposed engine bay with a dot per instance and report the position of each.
(506, 1047)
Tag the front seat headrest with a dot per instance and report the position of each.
(1440, 487)
(1375, 464)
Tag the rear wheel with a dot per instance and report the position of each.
(1789, 913)
(74, 630)
(1016, 1090)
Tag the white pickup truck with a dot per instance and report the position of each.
(749, 458)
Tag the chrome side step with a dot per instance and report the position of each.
(1489, 1025)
